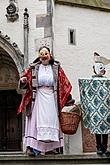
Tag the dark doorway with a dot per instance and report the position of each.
(10, 122)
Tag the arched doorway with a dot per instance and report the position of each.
(10, 122)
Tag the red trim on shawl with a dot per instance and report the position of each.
(64, 88)
(28, 94)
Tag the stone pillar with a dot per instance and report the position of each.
(26, 36)
(66, 150)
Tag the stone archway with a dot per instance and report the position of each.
(11, 65)
(8, 72)
(13, 51)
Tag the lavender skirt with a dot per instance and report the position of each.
(42, 130)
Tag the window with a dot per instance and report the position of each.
(72, 36)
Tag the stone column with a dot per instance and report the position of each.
(66, 150)
(26, 36)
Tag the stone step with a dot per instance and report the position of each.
(22, 159)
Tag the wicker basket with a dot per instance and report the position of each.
(69, 121)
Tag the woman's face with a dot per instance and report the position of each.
(44, 55)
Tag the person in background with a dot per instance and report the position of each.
(47, 92)
(99, 72)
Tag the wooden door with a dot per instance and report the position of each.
(10, 122)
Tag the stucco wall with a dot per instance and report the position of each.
(92, 34)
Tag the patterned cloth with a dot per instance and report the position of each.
(95, 103)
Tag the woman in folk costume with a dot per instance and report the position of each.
(101, 139)
(47, 92)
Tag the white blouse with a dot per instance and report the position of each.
(45, 75)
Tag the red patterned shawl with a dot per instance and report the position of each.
(28, 94)
(64, 89)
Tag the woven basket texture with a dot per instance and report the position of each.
(69, 121)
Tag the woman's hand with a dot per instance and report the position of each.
(23, 80)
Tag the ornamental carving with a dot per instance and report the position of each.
(12, 11)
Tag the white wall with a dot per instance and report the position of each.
(92, 34)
